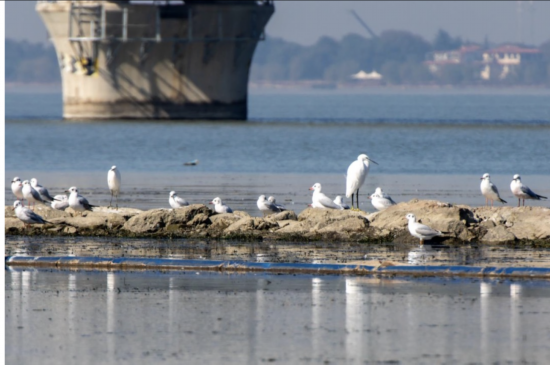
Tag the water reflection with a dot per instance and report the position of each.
(320, 252)
(244, 318)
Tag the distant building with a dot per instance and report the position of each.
(465, 54)
(502, 60)
(493, 63)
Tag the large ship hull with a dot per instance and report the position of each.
(121, 60)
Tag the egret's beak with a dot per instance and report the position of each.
(372, 161)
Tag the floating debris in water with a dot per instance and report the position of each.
(191, 163)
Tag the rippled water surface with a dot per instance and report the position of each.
(439, 132)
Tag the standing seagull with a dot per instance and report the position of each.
(523, 192)
(113, 179)
(421, 231)
(175, 201)
(26, 215)
(220, 207)
(357, 172)
(265, 206)
(41, 190)
(381, 200)
(322, 201)
(489, 190)
(31, 194)
(271, 199)
(17, 187)
(78, 202)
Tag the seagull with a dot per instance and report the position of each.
(60, 202)
(220, 207)
(175, 201)
(41, 190)
(523, 192)
(31, 194)
(322, 201)
(26, 215)
(489, 190)
(265, 206)
(340, 201)
(78, 202)
(357, 172)
(16, 187)
(381, 200)
(272, 200)
(113, 179)
(421, 231)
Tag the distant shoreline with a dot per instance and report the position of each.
(314, 86)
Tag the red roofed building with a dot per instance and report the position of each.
(503, 59)
(493, 63)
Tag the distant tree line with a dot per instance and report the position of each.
(398, 55)
(27, 62)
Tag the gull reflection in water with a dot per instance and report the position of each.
(422, 254)
(355, 296)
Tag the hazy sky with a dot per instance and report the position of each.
(305, 21)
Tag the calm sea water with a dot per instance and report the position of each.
(435, 132)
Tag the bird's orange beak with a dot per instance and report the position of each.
(311, 188)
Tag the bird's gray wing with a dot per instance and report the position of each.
(426, 231)
(227, 209)
(84, 202)
(272, 207)
(494, 189)
(526, 190)
(44, 193)
(181, 201)
(391, 201)
(327, 202)
(36, 195)
(34, 217)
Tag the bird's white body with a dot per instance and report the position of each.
(78, 202)
(271, 199)
(44, 194)
(489, 190)
(421, 231)
(220, 207)
(381, 200)
(26, 215)
(30, 193)
(114, 180)
(175, 201)
(60, 202)
(320, 200)
(17, 187)
(340, 201)
(523, 192)
(265, 206)
(356, 175)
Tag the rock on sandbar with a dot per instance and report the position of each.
(459, 222)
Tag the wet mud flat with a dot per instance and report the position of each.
(80, 316)
(475, 254)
